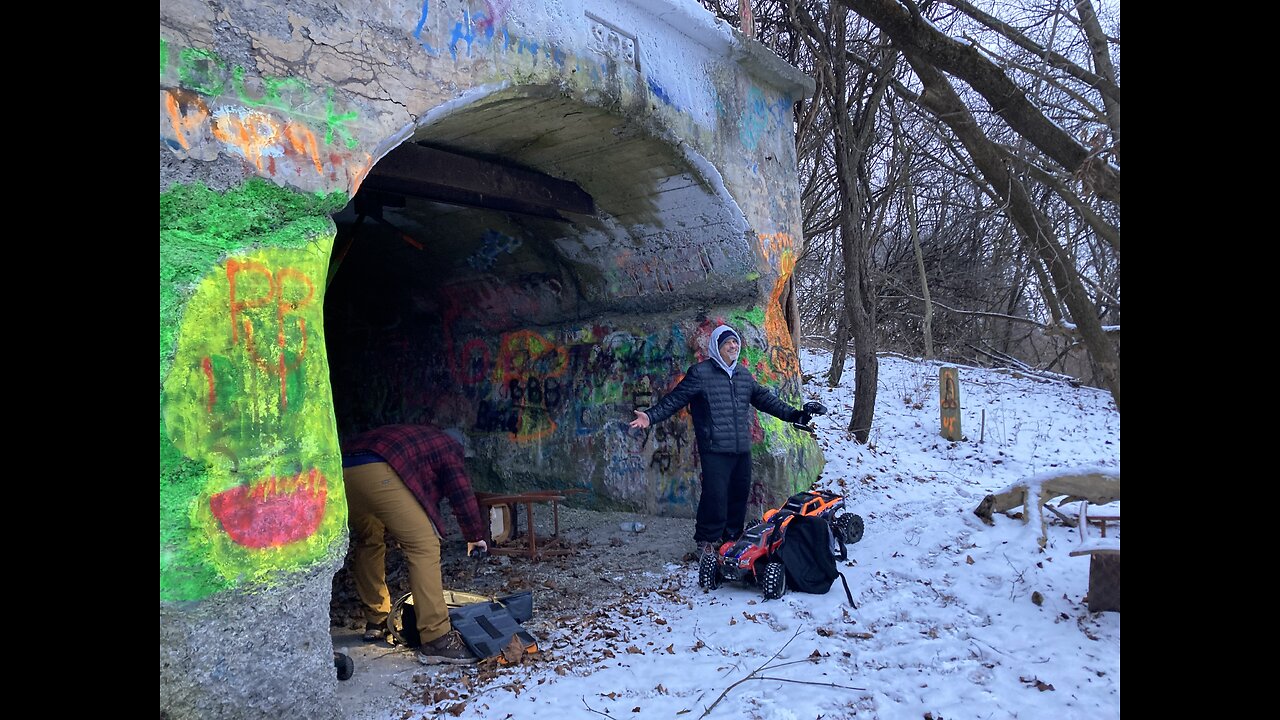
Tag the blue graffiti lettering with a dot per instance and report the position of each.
(659, 93)
(417, 31)
(494, 244)
(755, 119)
(462, 30)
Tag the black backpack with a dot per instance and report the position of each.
(808, 556)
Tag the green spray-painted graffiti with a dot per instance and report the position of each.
(205, 72)
(249, 461)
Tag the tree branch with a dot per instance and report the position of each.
(921, 39)
(752, 675)
(979, 313)
(1103, 85)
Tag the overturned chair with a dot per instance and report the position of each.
(1104, 559)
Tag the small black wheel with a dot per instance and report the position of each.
(709, 571)
(345, 667)
(774, 581)
(850, 527)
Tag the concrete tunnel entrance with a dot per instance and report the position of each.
(528, 269)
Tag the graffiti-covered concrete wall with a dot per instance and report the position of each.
(305, 295)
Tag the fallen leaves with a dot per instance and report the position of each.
(514, 650)
(635, 650)
(1037, 683)
(437, 695)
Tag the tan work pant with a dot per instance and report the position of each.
(378, 501)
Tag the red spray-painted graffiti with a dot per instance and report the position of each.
(286, 291)
(273, 511)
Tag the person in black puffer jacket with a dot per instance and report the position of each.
(721, 394)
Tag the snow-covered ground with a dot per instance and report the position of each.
(945, 624)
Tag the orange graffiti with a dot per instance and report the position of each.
(525, 354)
(775, 322)
(773, 244)
(357, 173)
(304, 142)
(252, 132)
(950, 399)
(187, 113)
(265, 140)
(278, 286)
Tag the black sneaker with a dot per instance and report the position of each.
(448, 649)
(705, 548)
(374, 631)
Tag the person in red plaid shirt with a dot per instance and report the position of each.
(395, 477)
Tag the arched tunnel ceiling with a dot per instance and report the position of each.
(662, 233)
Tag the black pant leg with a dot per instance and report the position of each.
(713, 505)
(739, 491)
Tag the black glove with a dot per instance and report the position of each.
(811, 408)
(815, 408)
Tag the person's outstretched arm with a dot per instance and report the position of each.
(684, 392)
(764, 399)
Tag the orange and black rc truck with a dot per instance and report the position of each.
(754, 557)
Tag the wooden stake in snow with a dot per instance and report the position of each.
(949, 402)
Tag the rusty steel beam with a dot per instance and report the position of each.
(448, 177)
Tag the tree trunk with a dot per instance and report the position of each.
(913, 219)
(1102, 63)
(839, 352)
(855, 246)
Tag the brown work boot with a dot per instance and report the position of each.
(448, 649)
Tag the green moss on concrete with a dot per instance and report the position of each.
(181, 479)
(755, 316)
(199, 226)
(755, 319)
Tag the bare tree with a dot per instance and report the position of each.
(935, 58)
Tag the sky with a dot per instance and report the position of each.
(945, 624)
